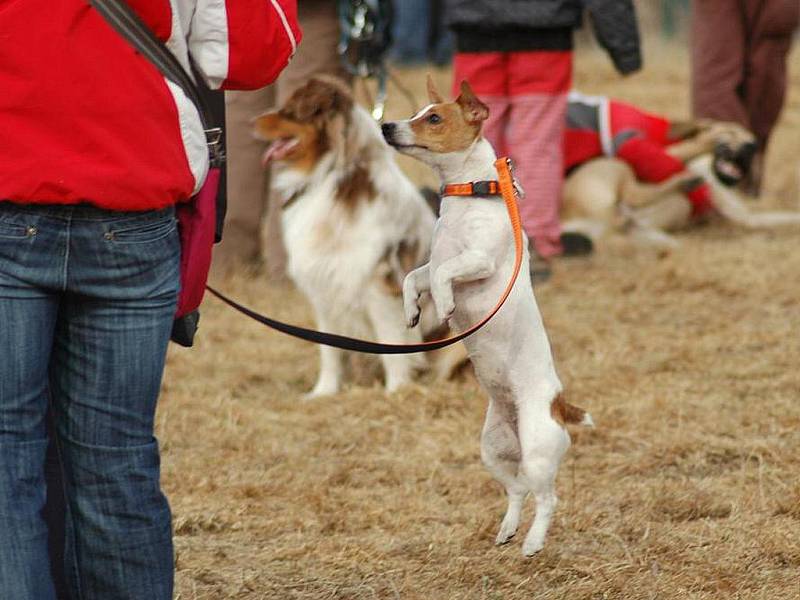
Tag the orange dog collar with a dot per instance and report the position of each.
(473, 188)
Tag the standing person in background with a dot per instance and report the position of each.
(517, 56)
(419, 35)
(250, 207)
(97, 149)
(739, 50)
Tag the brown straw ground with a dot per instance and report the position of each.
(689, 487)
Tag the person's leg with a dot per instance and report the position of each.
(717, 60)
(105, 373)
(247, 182)
(410, 32)
(770, 29)
(440, 37)
(55, 513)
(539, 83)
(486, 73)
(28, 314)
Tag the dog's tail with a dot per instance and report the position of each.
(565, 413)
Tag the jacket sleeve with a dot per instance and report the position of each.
(243, 44)
(615, 26)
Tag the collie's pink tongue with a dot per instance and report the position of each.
(278, 150)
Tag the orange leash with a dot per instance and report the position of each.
(508, 190)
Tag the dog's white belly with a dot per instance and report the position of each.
(511, 353)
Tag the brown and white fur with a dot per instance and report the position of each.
(603, 197)
(353, 224)
(472, 256)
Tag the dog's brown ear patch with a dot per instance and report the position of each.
(473, 109)
(563, 412)
(319, 97)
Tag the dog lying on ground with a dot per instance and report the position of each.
(524, 435)
(639, 174)
(353, 224)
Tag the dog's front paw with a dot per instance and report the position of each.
(412, 311)
(445, 310)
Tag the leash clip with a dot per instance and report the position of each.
(517, 185)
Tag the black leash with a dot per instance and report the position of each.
(509, 191)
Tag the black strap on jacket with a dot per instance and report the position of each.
(128, 24)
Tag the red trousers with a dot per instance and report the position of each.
(526, 93)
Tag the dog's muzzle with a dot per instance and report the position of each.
(731, 166)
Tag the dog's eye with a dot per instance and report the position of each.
(433, 119)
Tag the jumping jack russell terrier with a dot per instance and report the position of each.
(524, 435)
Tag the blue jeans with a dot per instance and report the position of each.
(87, 298)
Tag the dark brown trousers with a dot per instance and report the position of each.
(739, 50)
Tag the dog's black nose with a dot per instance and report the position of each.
(388, 130)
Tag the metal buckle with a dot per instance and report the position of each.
(517, 186)
(214, 143)
(482, 188)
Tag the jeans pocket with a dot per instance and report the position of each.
(14, 231)
(144, 232)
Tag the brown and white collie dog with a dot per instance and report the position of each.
(353, 223)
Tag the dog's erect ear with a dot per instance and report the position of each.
(434, 96)
(474, 110)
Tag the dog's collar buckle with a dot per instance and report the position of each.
(473, 188)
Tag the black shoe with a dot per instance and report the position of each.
(576, 244)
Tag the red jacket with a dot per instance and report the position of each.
(84, 118)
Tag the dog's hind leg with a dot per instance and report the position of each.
(543, 443)
(734, 209)
(500, 452)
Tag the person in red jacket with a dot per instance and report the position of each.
(97, 148)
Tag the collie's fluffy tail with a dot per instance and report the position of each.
(565, 413)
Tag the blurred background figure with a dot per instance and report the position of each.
(419, 33)
(249, 203)
(518, 58)
(739, 50)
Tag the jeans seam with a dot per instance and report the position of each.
(66, 252)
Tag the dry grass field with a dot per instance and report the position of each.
(689, 487)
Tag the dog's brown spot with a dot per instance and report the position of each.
(308, 116)
(356, 185)
(395, 265)
(321, 96)
(563, 412)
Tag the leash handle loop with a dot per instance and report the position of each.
(508, 190)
